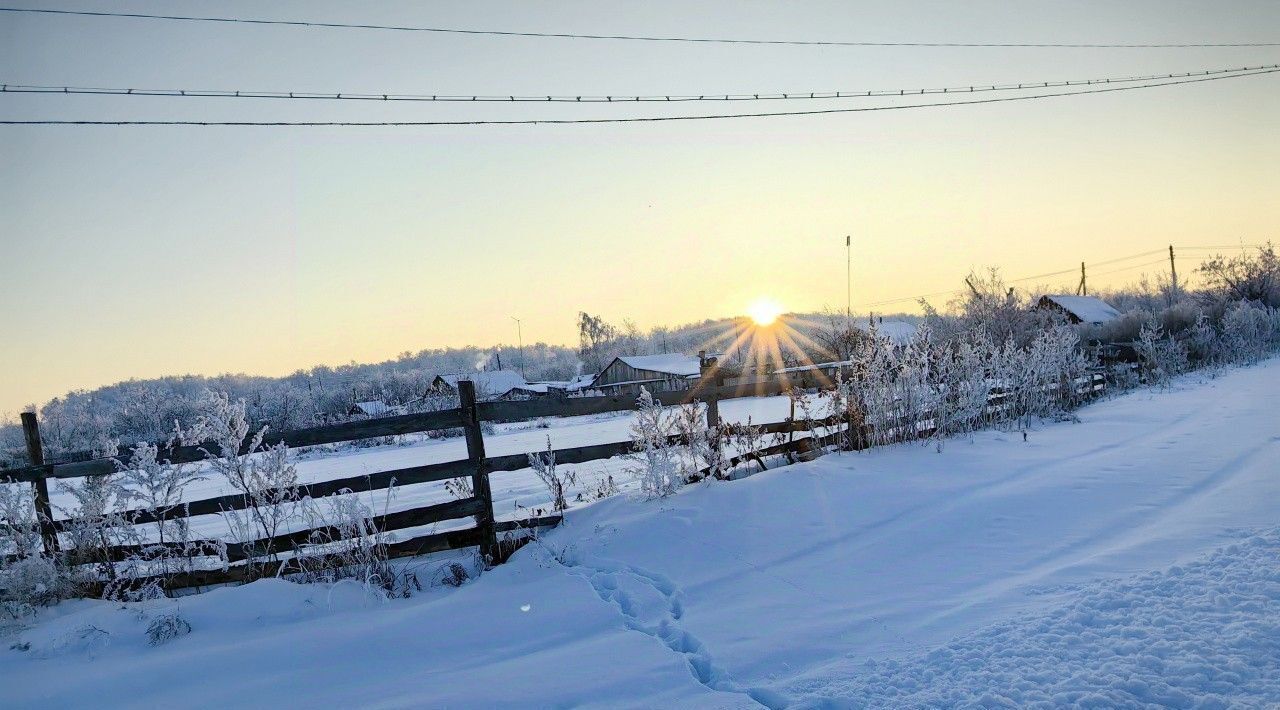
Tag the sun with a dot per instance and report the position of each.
(764, 311)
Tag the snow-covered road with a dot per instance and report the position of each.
(894, 576)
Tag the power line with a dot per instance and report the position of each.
(1042, 276)
(1225, 246)
(1127, 258)
(603, 98)
(630, 119)
(1158, 262)
(630, 38)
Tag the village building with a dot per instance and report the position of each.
(666, 372)
(491, 385)
(1079, 309)
(374, 408)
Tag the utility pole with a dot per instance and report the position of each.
(1083, 288)
(1173, 272)
(520, 340)
(848, 276)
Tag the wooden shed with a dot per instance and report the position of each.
(658, 373)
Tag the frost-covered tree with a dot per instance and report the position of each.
(1248, 277)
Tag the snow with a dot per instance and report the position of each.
(375, 408)
(899, 332)
(1076, 567)
(1206, 634)
(580, 382)
(1087, 308)
(666, 363)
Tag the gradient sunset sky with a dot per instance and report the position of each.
(136, 252)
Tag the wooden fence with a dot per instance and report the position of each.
(477, 466)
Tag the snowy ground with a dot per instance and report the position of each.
(1125, 560)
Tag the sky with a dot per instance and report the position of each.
(145, 251)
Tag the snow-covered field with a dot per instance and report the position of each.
(1126, 560)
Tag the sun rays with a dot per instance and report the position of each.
(757, 348)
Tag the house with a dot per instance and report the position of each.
(1079, 309)
(374, 408)
(491, 385)
(579, 383)
(659, 373)
(899, 332)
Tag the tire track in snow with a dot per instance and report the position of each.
(925, 513)
(1082, 549)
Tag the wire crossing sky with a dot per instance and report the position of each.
(635, 38)
(14, 88)
(630, 119)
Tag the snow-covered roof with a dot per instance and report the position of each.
(493, 383)
(1088, 309)
(899, 332)
(580, 382)
(667, 363)
(374, 408)
(628, 383)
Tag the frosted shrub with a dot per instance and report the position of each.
(346, 543)
(869, 392)
(961, 385)
(911, 397)
(270, 486)
(1056, 363)
(1247, 330)
(1204, 345)
(655, 461)
(34, 582)
(1009, 373)
(265, 477)
(703, 445)
(459, 487)
(750, 441)
(96, 523)
(556, 481)
(158, 486)
(1162, 357)
(27, 579)
(19, 530)
(166, 628)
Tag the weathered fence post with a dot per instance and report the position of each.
(479, 479)
(44, 511)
